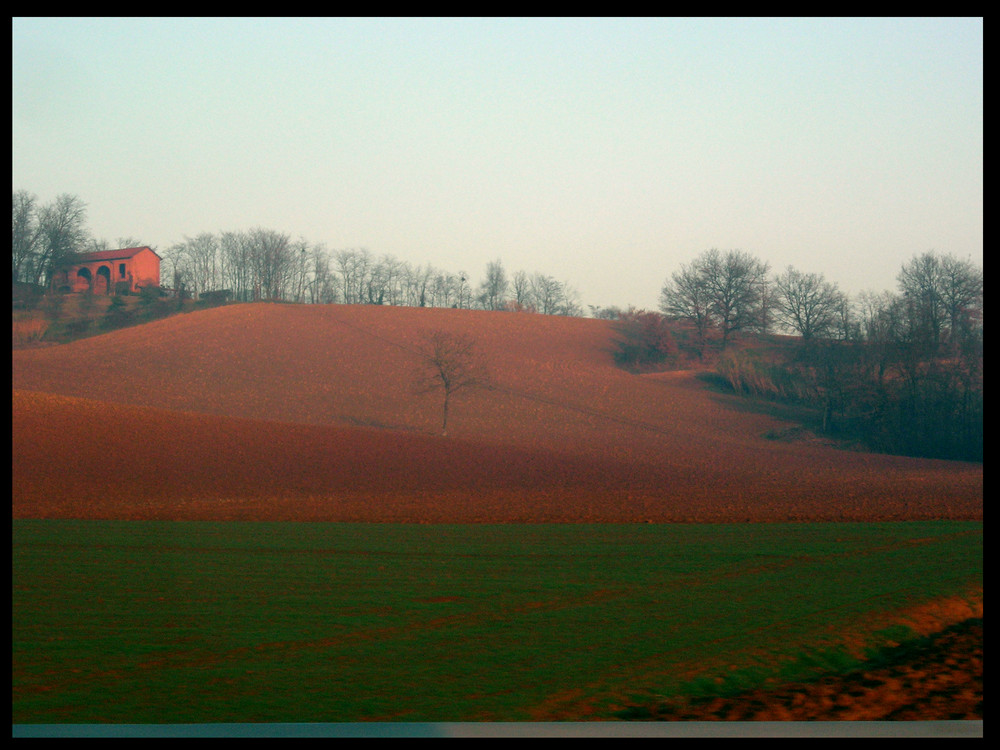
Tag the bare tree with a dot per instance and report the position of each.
(442, 289)
(962, 297)
(920, 283)
(493, 290)
(389, 281)
(736, 282)
(25, 236)
(352, 266)
(729, 291)
(271, 263)
(943, 296)
(552, 297)
(686, 296)
(570, 304)
(322, 286)
(300, 255)
(235, 264)
(807, 303)
(606, 313)
(415, 285)
(204, 251)
(62, 234)
(546, 294)
(197, 263)
(449, 363)
(463, 293)
(450, 290)
(521, 287)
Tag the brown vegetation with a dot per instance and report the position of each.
(938, 678)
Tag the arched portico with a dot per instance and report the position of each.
(102, 280)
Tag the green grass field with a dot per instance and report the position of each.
(160, 622)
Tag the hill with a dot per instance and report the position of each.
(309, 412)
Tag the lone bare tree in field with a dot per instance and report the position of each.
(449, 363)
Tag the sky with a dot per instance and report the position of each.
(605, 152)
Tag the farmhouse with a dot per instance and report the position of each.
(109, 271)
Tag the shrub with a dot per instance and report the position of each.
(749, 374)
(54, 305)
(26, 296)
(77, 327)
(118, 314)
(214, 297)
(645, 340)
(150, 294)
(28, 331)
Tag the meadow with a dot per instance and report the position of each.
(178, 622)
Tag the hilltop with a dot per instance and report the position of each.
(309, 413)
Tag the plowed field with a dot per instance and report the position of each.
(309, 413)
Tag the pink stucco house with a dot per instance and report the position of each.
(110, 271)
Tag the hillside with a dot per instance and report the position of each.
(309, 412)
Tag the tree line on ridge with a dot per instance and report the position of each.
(901, 370)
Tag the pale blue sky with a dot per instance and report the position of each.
(603, 152)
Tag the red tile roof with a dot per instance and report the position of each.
(128, 252)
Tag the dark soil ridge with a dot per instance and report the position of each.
(938, 677)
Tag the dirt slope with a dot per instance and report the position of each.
(275, 411)
(937, 679)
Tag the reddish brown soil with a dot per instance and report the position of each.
(308, 413)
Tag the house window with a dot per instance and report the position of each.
(121, 270)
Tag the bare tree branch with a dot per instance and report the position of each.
(449, 363)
